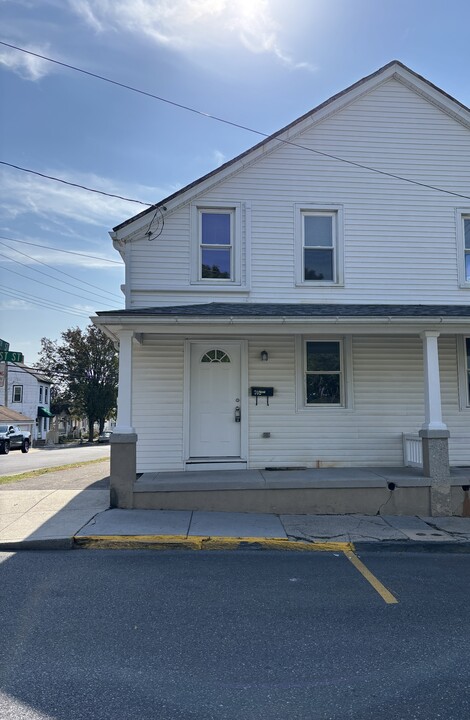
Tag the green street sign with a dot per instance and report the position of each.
(9, 356)
(4, 345)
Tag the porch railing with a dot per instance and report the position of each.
(412, 451)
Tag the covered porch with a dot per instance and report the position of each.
(389, 380)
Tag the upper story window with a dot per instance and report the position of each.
(216, 244)
(463, 241)
(216, 252)
(319, 246)
(40, 393)
(17, 396)
(46, 394)
(466, 235)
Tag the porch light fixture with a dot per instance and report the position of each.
(264, 356)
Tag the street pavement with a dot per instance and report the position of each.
(70, 508)
(232, 636)
(45, 457)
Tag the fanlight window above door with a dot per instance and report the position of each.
(215, 356)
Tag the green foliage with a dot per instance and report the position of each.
(84, 368)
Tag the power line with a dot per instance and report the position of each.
(40, 302)
(76, 185)
(221, 120)
(69, 252)
(63, 273)
(39, 281)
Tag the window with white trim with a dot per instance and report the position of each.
(323, 373)
(17, 396)
(40, 393)
(46, 394)
(319, 254)
(463, 243)
(466, 247)
(216, 245)
(467, 368)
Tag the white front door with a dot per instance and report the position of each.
(215, 386)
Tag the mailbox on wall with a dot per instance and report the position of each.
(259, 392)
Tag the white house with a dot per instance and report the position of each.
(306, 305)
(29, 392)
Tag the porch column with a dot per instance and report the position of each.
(434, 433)
(124, 439)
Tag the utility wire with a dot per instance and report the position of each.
(76, 185)
(221, 120)
(62, 273)
(54, 287)
(40, 302)
(69, 252)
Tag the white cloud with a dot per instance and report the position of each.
(26, 66)
(14, 305)
(219, 158)
(23, 193)
(189, 25)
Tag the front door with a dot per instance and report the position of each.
(215, 385)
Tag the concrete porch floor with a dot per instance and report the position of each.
(326, 478)
(327, 491)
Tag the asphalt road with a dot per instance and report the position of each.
(98, 635)
(37, 458)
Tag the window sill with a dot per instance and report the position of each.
(319, 283)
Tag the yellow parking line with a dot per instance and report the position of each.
(376, 584)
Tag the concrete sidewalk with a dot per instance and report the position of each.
(80, 517)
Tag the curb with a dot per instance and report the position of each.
(449, 546)
(183, 542)
(65, 543)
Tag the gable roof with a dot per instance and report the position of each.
(40, 377)
(385, 72)
(9, 416)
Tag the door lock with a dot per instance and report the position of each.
(238, 414)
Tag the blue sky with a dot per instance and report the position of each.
(260, 63)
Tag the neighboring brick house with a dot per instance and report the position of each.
(29, 392)
(306, 305)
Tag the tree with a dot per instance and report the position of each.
(84, 369)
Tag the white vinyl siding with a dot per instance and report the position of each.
(399, 238)
(388, 400)
(157, 404)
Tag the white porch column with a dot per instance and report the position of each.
(124, 439)
(434, 433)
(432, 384)
(124, 404)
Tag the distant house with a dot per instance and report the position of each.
(12, 417)
(307, 304)
(29, 392)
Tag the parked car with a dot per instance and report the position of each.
(104, 437)
(12, 437)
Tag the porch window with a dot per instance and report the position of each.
(467, 348)
(323, 372)
(216, 244)
(17, 394)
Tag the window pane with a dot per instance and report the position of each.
(466, 226)
(323, 356)
(215, 228)
(216, 263)
(318, 231)
(467, 266)
(467, 341)
(323, 389)
(318, 264)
